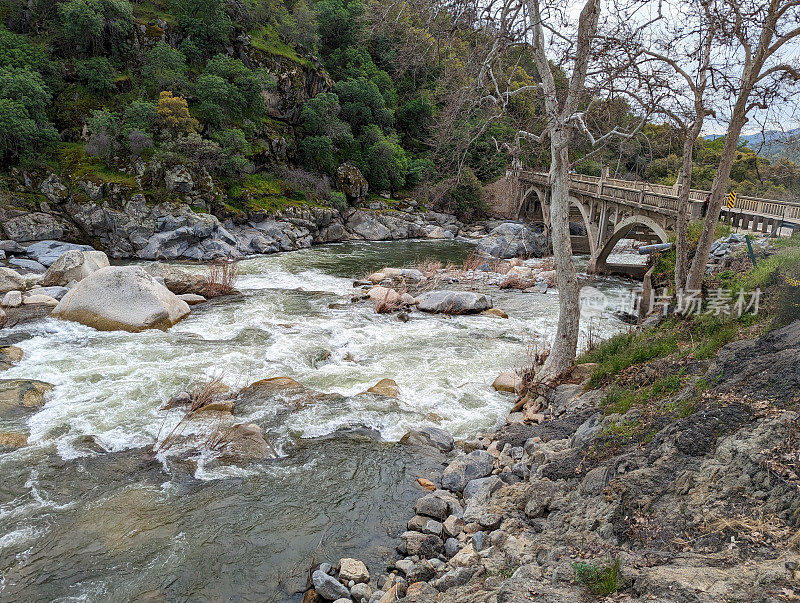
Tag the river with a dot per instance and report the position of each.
(81, 524)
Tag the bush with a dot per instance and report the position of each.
(98, 74)
(228, 91)
(464, 197)
(138, 142)
(386, 165)
(24, 127)
(164, 68)
(601, 579)
(338, 200)
(96, 26)
(319, 153)
(173, 115)
(362, 104)
(205, 26)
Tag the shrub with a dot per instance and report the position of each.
(319, 153)
(138, 142)
(600, 579)
(98, 74)
(164, 68)
(96, 25)
(206, 27)
(24, 127)
(173, 115)
(338, 200)
(221, 278)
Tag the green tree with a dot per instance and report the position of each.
(140, 116)
(24, 127)
(228, 92)
(414, 117)
(386, 165)
(206, 27)
(362, 104)
(164, 68)
(96, 26)
(320, 117)
(98, 74)
(17, 51)
(234, 147)
(319, 153)
(340, 25)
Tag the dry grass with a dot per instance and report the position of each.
(221, 278)
(387, 305)
(537, 352)
(429, 267)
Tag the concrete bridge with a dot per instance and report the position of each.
(613, 209)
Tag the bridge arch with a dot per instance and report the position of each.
(591, 229)
(621, 231)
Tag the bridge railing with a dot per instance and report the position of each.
(659, 196)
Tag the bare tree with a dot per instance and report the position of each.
(685, 47)
(759, 37)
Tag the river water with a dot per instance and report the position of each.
(81, 524)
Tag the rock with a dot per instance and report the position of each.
(178, 281)
(511, 240)
(451, 547)
(453, 302)
(12, 299)
(595, 480)
(424, 483)
(361, 592)
(508, 382)
(54, 292)
(22, 394)
(437, 232)
(384, 295)
(10, 440)
(121, 298)
(474, 485)
(9, 356)
(52, 188)
(530, 416)
(409, 274)
(11, 280)
(329, 588)
(586, 432)
(2, 319)
(178, 180)
(28, 265)
(423, 545)
(246, 442)
(192, 299)
(351, 182)
(465, 468)
(453, 526)
(432, 506)
(224, 406)
(40, 300)
(581, 372)
(48, 251)
(353, 569)
(455, 577)
(429, 436)
(11, 247)
(496, 312)
(385, 387)
(73, 265)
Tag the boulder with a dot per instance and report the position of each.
(409, 274)
(9, 356)
(465, 468)
(496, 312)
(385, 387)
(12, 299)
(432, 505)
(351, 182)
(353, 569)
(16, 394)
(178, 180)
(73, 265)
(429, 436)
(11, 280)
(48, 251)
(511, 240)
(272, 384)
(11, 440)
(384, 295)
(328, 587)
(54, 292)
(29, 266)
(40, 300)
(52, 188)
(176, 280)
(192, 299)
(121, 298)
(361, 592)
(508, 382)
(424, 545)
(453, 302)
(245, 442)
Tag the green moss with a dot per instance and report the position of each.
(73, 161)
(266, 40)
(266, 193)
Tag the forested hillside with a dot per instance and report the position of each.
(267, 99)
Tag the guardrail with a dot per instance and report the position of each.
(658, 196)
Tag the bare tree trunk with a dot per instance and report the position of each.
(719, 188)
(682, 222)
(565, 344)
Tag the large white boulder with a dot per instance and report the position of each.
(123, 298)
(73, 265)
(11, 280)
(453, 302)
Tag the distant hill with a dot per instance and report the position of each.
(772, 144)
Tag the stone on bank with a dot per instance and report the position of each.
(122, 298)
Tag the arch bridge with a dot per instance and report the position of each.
(611, 209)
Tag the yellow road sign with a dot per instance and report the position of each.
(731, 199)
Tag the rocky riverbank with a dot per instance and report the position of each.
(692, 496)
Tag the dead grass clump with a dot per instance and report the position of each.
(429, 267)
(472, 261)
(221, 278)
(537, 353)
(390, 302)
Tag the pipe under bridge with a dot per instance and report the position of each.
(612, 209)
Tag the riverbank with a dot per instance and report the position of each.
(665, 471)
